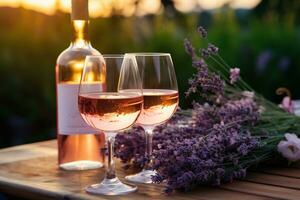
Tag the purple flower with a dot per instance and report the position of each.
(212, 49)
(234, 75)
(200, 64)
(189, 48)
(208, 82)
(204, 53)
(192, 150)
(202, 32)
(239, 112)
(263, 59)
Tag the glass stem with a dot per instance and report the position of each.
(110, 170)
(149, 137)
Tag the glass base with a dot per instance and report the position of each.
(143, 177)
(81, 165)
(111, 187)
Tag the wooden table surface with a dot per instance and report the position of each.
(30, 171)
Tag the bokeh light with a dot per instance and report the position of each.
(209, 4)
(45, 6)
(127, 8)
(11, 3)
(185, 6)
(246, 4)
(148, 7)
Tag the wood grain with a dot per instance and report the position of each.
(30, 171)
(283, 171)
(276, 180)
(263, 190)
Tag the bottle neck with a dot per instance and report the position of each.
(80, 35)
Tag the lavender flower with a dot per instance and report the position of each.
(208, 82)
(192, 150)
(199, 156)
(234, 75)
(239, 112)
(202, 32)
(212, 49)
(205, 53)
(208, 85)
(189, 48)
(200, 64)
(263, 59)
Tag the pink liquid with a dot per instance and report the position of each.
(159, 106)
(77, 150)
(110, 111)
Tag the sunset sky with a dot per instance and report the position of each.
(104, 8)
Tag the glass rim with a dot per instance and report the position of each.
(149, 54)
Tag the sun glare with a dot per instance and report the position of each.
(246, 4)
(11, 3)
(45, 6)
(185, 6)
(106, 8)
(65, 5)
(148, 7)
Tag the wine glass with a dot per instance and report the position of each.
(110, 107)
(160, 93)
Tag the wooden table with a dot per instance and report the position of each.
(30, 171)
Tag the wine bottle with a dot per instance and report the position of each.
(79, 146)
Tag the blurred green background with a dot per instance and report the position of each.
(263, 41)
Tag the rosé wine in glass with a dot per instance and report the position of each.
(159, 106)
(110, 111)
(160, 94)
(110, 107)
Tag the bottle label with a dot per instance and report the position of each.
(69, 118)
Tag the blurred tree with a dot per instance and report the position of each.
(280, 7)
(169, 8)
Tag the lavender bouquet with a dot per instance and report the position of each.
(229, 129)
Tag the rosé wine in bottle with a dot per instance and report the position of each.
(79, 146)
